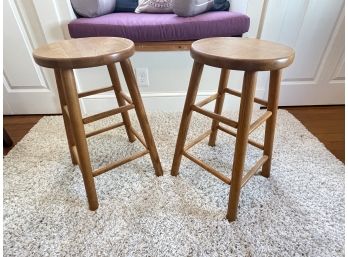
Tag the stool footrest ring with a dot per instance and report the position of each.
(96, 132)
(259, 121)
(208, 168)
(197, 140)
(103, 115)
(253, 170)
(236, 93)
(114, 165)
(207, 100)
(95, 91)
(126, 97)
(215, 116)
(232, 133)
(136, 134)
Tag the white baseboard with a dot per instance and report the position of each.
(170, 102)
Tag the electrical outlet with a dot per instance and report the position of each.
(142, 75)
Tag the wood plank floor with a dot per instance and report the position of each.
(326, 123)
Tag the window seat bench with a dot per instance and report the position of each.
(161, 32)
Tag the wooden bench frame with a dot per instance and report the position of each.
(163, 46)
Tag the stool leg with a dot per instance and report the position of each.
(140, 111)
(80, 137)
(196, 75)
(219, 104)
(245, 113)
(62, 99)
(121, 102)
(273, 99)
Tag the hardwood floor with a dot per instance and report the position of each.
(325, 122)
(18, 126)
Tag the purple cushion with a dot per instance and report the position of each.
(145, 27)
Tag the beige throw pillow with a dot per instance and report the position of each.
(155, 6)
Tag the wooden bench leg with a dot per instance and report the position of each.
(62, 99)
(219, 104)
(272, 106)
(140, 111)
(245, 113)
(196, 75)
(78, 130)
(121, 102)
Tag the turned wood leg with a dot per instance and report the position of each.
(219, 104)
(62, 99)
(273, 99)
(196, 75)
(121, 102)
(140, 111)
(245, 113)
(78, 130)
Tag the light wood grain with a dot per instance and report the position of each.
(257, 123)
(141, 114)
(120, 100)
(95, 91)
(273, 98)
(114, 165)
(215, 116)
(219, 104)
(196, 75)
(239, 94)
(232, 133)
(84, 52)
(253, 170)
(208, 168)
(245, 113)
(66, 119)
(197, 140)
(106, 114)
(163, 46)
(80, 138)
(98, 131)
(242, 54)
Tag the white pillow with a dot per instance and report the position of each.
(93, 8)
(155, 6)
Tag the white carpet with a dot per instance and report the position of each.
(298, 211)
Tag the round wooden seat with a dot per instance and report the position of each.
(242, 54)
(84, 52)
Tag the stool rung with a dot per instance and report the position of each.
(236, 93)
(74, 152)
(96, 132)
(197, 140)
(215, 116)
(66, 111)
(207, 100)
(208, 168)
(254, 169)
(103, 115)
(126, 97)
(232, 133)
(114, 165)
(259, 121)
(136, 134)
(95, 91)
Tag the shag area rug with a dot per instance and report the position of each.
(298, 211)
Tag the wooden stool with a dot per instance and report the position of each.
(249, 55)
(63, 57)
